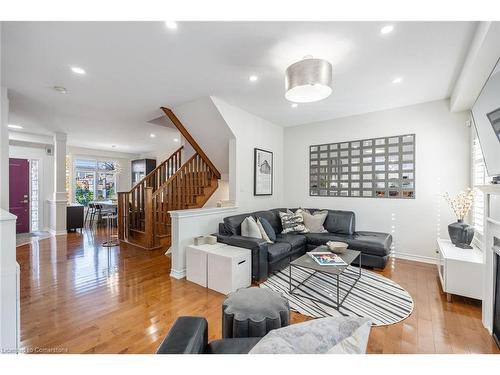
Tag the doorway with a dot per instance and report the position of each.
(19, 192)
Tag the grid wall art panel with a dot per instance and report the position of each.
(368, 168)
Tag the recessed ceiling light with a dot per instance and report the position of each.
(152, 135)
(12, 126)
(61, 89)
(386, 29)
(253, 78)
(77, 70)
(397, 80)
(294, 105)
(176, 139)
(172, 25)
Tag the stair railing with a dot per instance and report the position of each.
(180, 192)
(134, 201)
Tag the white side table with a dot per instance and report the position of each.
(196, 262)
(460, 270)
(229, 269)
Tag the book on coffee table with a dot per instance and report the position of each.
(327, 259)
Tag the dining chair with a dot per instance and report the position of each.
(89, 212)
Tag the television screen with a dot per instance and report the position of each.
(494, 118)
(486, 115)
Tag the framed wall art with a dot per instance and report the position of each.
(263, 172)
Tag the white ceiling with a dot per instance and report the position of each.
(133, 68)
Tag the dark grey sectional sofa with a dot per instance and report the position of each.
(269, 258)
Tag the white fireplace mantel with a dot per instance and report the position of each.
(491, 229)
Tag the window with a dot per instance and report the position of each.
(94, 180)
(479, 177)
(381, 167)
(35, 195)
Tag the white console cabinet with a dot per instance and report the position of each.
(220, 267)
(460, 270)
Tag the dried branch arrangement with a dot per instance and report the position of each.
(461, 203)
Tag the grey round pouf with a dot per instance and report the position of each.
(253, 312)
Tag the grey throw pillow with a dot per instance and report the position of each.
(314, 222)
(292, 222)
(249, 228)
(268, 228)
(263, 232)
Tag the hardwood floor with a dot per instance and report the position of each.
(73, 301)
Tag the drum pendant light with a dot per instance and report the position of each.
(308, 80)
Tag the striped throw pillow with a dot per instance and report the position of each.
(292, 222)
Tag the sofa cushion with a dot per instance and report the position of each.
(342, 222)
(232, 346)
(278, 250)
(268, 228)
(249, 228)
(367, 242)
(295, 240)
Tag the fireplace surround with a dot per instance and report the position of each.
(496, 303)
(491, 259)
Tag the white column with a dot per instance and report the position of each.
(4, 149)
(9, 285)
(59, 201)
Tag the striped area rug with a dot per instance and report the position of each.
(374, 296)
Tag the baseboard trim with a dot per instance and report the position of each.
(58, 232)
(176, 274)
(415, 258)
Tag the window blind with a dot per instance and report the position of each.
(479, 177)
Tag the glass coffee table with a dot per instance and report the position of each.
(307, 263)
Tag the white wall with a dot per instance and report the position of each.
(250, 132)
(442, 164)
(4, 148)
(203, 121)
(162, 154)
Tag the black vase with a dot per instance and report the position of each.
(461, 234)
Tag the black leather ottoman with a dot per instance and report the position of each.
(253, 312)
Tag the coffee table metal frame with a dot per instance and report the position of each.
(324, 270)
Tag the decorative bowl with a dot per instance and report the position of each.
(336, 247)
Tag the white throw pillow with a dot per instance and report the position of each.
(314, 222)
(249, 228)
(263, 232)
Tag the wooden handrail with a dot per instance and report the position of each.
(191, 140)
(175, 159)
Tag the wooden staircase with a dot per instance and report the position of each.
(143, 212)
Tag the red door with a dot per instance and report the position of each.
(19, 186)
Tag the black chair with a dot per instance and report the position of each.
(189, 335)
(88, 214)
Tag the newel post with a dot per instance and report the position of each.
(122, 209)
(148, 217)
